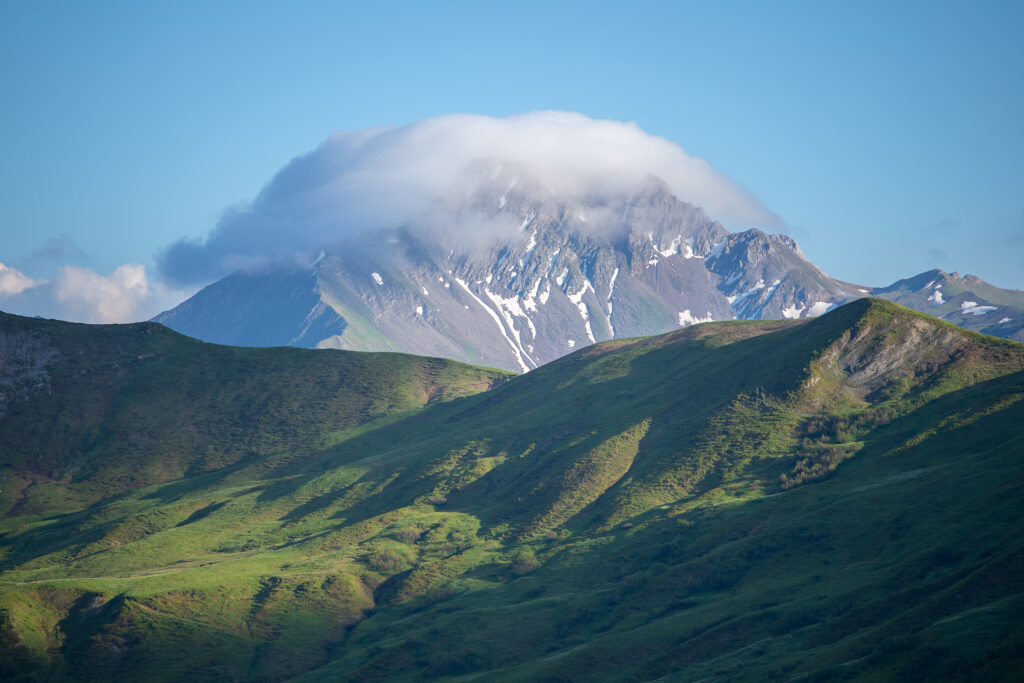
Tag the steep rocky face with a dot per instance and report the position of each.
(545, 275)
(768, 277)
(24, 359)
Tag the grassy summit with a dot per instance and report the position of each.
(837, 496)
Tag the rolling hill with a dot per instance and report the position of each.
(835, 497)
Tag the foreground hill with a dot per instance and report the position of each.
(90, 411)
(834, 497)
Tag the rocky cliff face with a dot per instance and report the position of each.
(24, 358)
(560, 273)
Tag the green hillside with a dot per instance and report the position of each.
(92, 411)
(826, 498)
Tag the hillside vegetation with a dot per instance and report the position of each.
(826, 498)
(90, 411)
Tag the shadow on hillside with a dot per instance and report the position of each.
(288, 478)
(73, 532)
(908, 563)
(672, 385)
(516, 491)
(508, 420)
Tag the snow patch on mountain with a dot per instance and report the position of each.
(497, 321)
(972, 308)
(689, 249)
(577, 300)
(750, 302)
(673, 247)
(685, 318)
(551, 262)
(765, 298)
(529, 248)
(508, 308)
(545, 294)
(560, 280)
(746, 293)
(529, 301)
(819, 308)
(611, 290)
(717, 250)
(792, 312)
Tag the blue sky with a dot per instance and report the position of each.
(887, 138)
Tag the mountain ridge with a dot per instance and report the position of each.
(967, 301)
(729, 499)
(555, 274)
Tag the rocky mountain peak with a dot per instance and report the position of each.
(517, 275)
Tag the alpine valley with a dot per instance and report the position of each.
(567, 271)
(835, 496)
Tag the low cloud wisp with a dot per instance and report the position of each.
(384, 178)
(14, 282)
(83, 295)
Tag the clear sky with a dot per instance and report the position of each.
(888, 137)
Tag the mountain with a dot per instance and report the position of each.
(564, 273)
(827, 497)
(967, 301)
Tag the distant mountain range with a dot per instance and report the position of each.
(967, 301)
(573, 271)
(814, 499)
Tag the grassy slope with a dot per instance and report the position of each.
(636, 507)
(122, 406)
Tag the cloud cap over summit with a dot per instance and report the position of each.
(380, 178)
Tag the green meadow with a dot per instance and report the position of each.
(835, 498)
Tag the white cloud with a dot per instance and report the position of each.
(83, 295)
(14, 281)
(390, 177)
